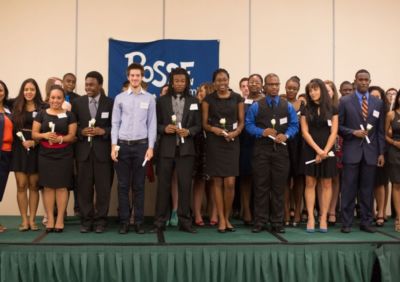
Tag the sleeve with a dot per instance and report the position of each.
(152, 122)
(160, 124)
(115, 121)
(71, 118)
(293, 122)
(39, 116)
(344, 131)
(250, 121)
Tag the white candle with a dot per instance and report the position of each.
(180, 127)
(91, 125)
(22, 138)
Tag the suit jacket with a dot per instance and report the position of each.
(101, 144)
(191, 120)
(350, 118)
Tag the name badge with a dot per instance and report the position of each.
(193, 107)
(62, 115)
(234, 126)
(283, 121)
(375, 113)
(248, 101)
(105, 114)
(144, 105)
(34, 114)
(329, 122)
(7, 111)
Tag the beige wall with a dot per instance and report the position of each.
(329, 39)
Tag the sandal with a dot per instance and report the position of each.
(397, 225)
(34, 226)
(213, 222)
(331, 222)
(23, 227)
(199, 223)
(380, 221)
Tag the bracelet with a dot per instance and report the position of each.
(62, 139)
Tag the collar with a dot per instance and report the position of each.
(360, 96)
(97, 98)
(270, 98)
(130, 91)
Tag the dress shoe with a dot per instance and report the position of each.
(188, 229)
(49, 229)
(139, 228)
(221, 230)
(124, 228)
(85, 229)
(367, 229)
(100, 228)
(257, 229)
(58, 230)
(230, 229)
(278, 229)
(345, 229)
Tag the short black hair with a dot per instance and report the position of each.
(218, 71)
(96, 75)
(69, 74)
(362, 71)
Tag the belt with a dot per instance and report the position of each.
(132, 142)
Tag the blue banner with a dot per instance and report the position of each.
(199, 57)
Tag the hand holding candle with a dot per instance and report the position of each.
(330, 154)
(180, 127)
(22, 138)
(92, 122)
(52, 127)
(369, 127)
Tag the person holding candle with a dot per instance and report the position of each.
(25, 152)
(319, 126)
(134, 131)
(223, 120)
(361, 124)
(178, 120)
(6, 141)
(55, 129)
(272, 121)
(93, 154)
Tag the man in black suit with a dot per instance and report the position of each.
(69, 83)
(361, 124)
(178, 120)
(95, 167)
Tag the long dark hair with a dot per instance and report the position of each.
(396, 104)
(177, 71)
(20, 103)
(325, 101)
(382, 93)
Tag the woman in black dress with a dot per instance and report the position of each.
(295, 190)
(55, 128)
(25, 152)
(6, 140)
(319, 126)
(255, 83)
(393, 155)
(223, 119)
(381, 190)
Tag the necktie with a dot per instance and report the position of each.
(93, 107)
(364, 107)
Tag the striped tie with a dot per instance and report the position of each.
(364, 107)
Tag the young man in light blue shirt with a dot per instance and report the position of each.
(134, 130)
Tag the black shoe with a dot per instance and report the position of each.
(345, 229)
(257, 229)
(188, 229)
(230, 229)
(367, 229)
(124, 228)
(85, 229)
(49, 230)
(100, 228)
(139, 228)
(278, 229)
(221, 230)
(58, 230)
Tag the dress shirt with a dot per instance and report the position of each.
(134, 117)
(360, 97)
(250, 120)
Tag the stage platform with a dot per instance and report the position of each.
(206, 256)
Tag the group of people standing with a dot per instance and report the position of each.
(275, 144)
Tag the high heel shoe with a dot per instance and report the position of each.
(331, 222)
(221, 230)
(23, 227)
(230, 229)
(213, 222)
(58, 230)
(380, 221)
(49, 229)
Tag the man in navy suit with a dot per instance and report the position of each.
(361, 124)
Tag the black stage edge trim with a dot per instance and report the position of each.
(387, 234)
(39, 238)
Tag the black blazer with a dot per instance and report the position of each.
(101, 144)
(191, 120)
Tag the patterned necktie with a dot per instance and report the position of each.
(93, 107)
(364, 107)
